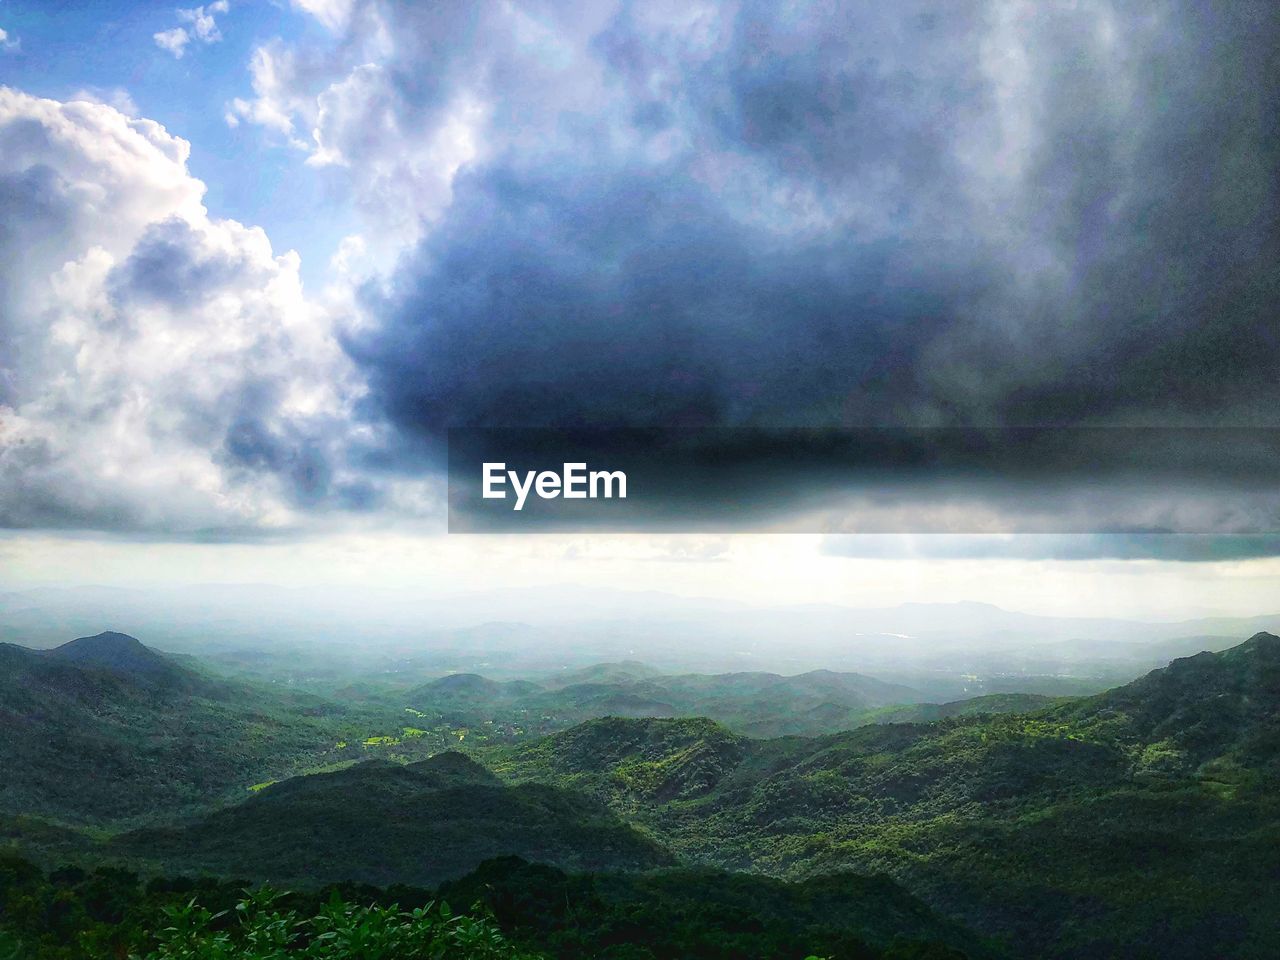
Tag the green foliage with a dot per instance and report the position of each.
(710, 914)
(1137, 822)
(338, 931)
(520, 911)
(71, 913)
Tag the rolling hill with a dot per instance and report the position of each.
(383, 823)
(1142, 821)
(104, 728)
(757, 704)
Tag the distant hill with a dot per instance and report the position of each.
(468, 691)
(632, 762)
(382, 823)
(619, 672)
(991, 703)
(759, 704)
(1139, 822)
(104, 728)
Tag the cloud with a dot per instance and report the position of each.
(163, 371)
(1144, 546)
(996, 212)
(9, 44)
(201, 27)
(117, 97)
(334, 14)
(174, 40)
(1000, 212)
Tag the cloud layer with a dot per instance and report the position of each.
(746, 214)
(661, 214)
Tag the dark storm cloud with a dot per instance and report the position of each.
(898, 215)
(301, 456)
(753, 216)
(629, 297)
(1115, 261)
(1142, 546)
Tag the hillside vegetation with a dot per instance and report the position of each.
(1143, 818)
(103, 728)
(1139, 822)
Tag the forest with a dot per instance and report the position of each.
(155, 807)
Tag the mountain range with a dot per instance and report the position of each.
(1140, 821)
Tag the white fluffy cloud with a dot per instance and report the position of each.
(200, 25)
(160, 370)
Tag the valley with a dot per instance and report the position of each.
(1143, 818)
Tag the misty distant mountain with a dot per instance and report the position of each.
(761, 704)
(332, 636)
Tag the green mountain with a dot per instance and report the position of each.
(1139, 822)
(621, 671)
(103, 728)
(384, 823)
(1211, 716)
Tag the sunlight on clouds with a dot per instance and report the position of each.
(171, 374)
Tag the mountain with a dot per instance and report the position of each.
(1206, 715)
(991, 703)
(1143, 821)
(103, 728)
(532, 632)
(382, 823)
(632, 762)
(119, 653)
(755, 703)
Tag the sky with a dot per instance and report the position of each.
(256, 258)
